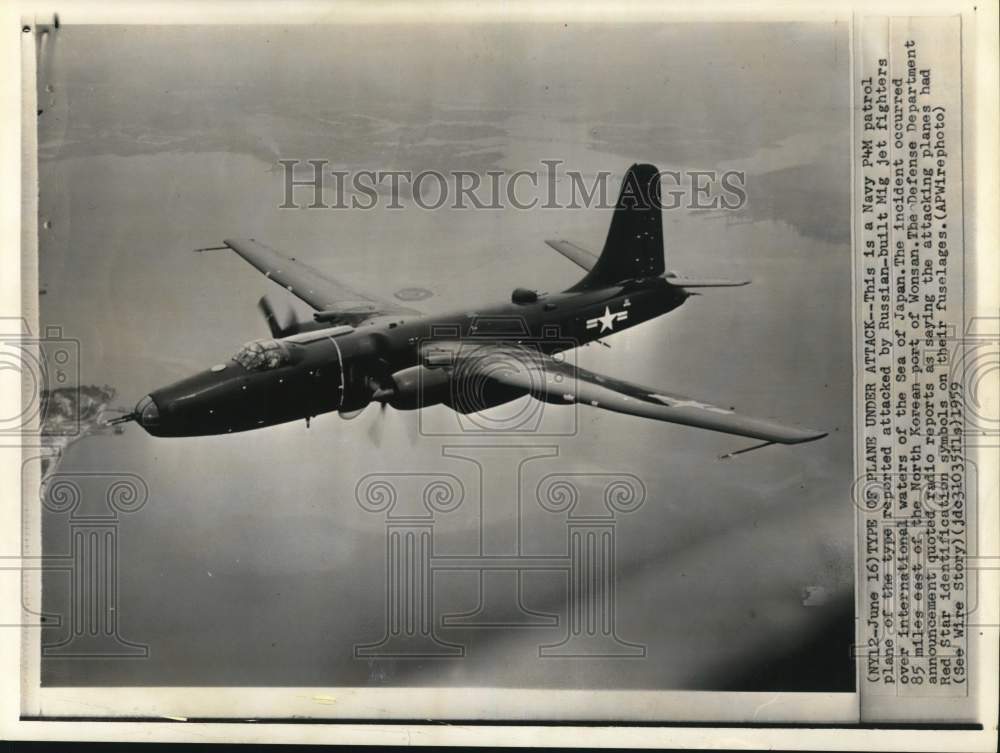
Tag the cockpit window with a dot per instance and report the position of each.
(259, 355)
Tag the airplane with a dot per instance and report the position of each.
(360, 349)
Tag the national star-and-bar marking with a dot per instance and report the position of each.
(607, 321)
(672, 402)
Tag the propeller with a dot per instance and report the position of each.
(374, 383)
(377, 427)
(280, 327)
(381, 394)
(378, 392)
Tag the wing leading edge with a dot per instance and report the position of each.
(552, 380)
(323, 294)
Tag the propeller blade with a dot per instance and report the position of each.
(277, 326)
(413, 419)
(376, 428)
(264, 304)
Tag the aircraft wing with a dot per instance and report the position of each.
(334, 301)
(553, 380)
(580, 256)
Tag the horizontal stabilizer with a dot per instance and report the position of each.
(704, 282)
(575, 254)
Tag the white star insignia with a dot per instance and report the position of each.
(677, 403)
(608, 320)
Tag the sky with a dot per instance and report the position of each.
(252, 563)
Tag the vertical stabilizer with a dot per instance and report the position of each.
(634, 247)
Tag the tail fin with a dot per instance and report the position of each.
(634, 247)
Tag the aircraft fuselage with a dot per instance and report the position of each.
(332, 368)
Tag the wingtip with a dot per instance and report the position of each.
(802, 437)
(796, 435)
(812, 436)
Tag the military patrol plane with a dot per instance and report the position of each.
(361, 349)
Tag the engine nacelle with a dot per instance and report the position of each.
(419, 387)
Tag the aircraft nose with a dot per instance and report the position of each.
(148, 414)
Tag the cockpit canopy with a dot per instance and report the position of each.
(260, 355)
